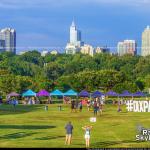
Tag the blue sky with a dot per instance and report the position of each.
(45, 23)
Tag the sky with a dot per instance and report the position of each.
(44, 24)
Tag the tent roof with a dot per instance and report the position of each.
(111, 93)
(97, 94)
(84, 94)
(70, 93)
(13, 94)
(29, 93)
(126, 93)
(43, 93)
(56, 93)
(139, 93)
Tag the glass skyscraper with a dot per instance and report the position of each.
(75, 42)
(8, 36)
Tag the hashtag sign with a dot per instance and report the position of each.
(129, 105)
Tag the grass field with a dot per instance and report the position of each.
(32, 126)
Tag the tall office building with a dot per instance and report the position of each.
(127, 47)
(75, 35)
(146, 42)
(8, 35)
(75, 42)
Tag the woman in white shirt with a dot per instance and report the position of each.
(87, 130)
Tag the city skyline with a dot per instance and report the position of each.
(107, 22)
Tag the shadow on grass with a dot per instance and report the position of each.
(6, 109)
(111, 143)
(49, 138)
(29, 127)
(16, 135)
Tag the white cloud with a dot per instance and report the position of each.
(16, 4)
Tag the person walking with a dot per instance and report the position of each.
(87, 130)
(69, 128)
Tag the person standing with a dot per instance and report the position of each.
(88, 105)
(119, 106)
(72, 106)
(87, 130)
(95, 108)
(69, 128)
(80, 106)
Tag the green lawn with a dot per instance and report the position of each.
(32, 126)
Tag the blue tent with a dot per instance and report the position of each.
(84, 94)
(29, 93)
(125, 93)
(139, 94)
(56, 93)
(70, 93)
(111, 93)
(97, 94)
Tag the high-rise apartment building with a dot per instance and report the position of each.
(101, 50)
(2, 45)
(87, 49)
(127, 47)
(146, 42)
(8, 36)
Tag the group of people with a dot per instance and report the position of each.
(12, 101)
(31, 101)
(69, 131)
(75, 105)
(96, 105)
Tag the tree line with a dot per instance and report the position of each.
(102, 72)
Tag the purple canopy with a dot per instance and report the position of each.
(84, 94)
(126, 93)
(111, 93)
(13, 94)
(97, 94)
(43, 93)
(139, 93)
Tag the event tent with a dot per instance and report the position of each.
(70, 93)
(84, 94)
(111, 93)
(13, 94)
(139, 94)
(43, 93)
(126, 93)
(29, 93)
(97, 94)
(56, 93)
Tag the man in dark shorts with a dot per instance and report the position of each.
(72, 106)
(95, 108)
(69, 128)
